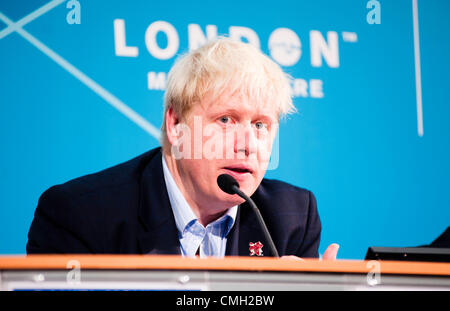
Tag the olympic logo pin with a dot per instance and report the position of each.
(256, 249)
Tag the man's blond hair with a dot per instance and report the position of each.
(225, 65)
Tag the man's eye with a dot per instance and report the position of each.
(260, 125)
(225, 120)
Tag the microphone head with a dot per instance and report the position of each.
(226, 183)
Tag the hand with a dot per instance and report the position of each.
(330, 253)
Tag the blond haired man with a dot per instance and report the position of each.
(222, 105)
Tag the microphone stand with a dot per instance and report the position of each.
(260, 219)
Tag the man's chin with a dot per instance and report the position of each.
(230, 200)
(234, 199)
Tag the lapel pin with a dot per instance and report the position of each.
(256, 249)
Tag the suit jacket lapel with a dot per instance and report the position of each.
(158, 233)
(250, 232)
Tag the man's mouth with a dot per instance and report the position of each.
(239, 169)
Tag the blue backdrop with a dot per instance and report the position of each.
(81, 88)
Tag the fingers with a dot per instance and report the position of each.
(331, 252)
(291, 257)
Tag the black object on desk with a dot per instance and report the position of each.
(437, 251)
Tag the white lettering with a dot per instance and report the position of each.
(300, 88)
(268, 300)
(74, 15)
(285, 46)
(315, 88)
(187, 301)
(173, 41)
(198, 137)
(196, 36)
(156, 81)
(74, 275)
(120, 44)
(213, 147)
(181, 149)
(319, 48)
(374, 15)
(374, 275)
(238, 33)
(246, 300)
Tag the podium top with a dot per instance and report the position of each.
(172, 262)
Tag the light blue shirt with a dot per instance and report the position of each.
(211, 240)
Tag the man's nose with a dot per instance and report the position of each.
(245, 142)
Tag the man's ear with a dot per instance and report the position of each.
(171, 129)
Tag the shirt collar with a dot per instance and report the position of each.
(184, 216)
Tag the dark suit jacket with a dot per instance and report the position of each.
(126, 210)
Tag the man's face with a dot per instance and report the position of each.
(230, 135)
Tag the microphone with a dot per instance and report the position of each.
(230, 185)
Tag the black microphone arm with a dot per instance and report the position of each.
(229, 185)
(260, 220)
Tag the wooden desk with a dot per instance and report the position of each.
(235, 273)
